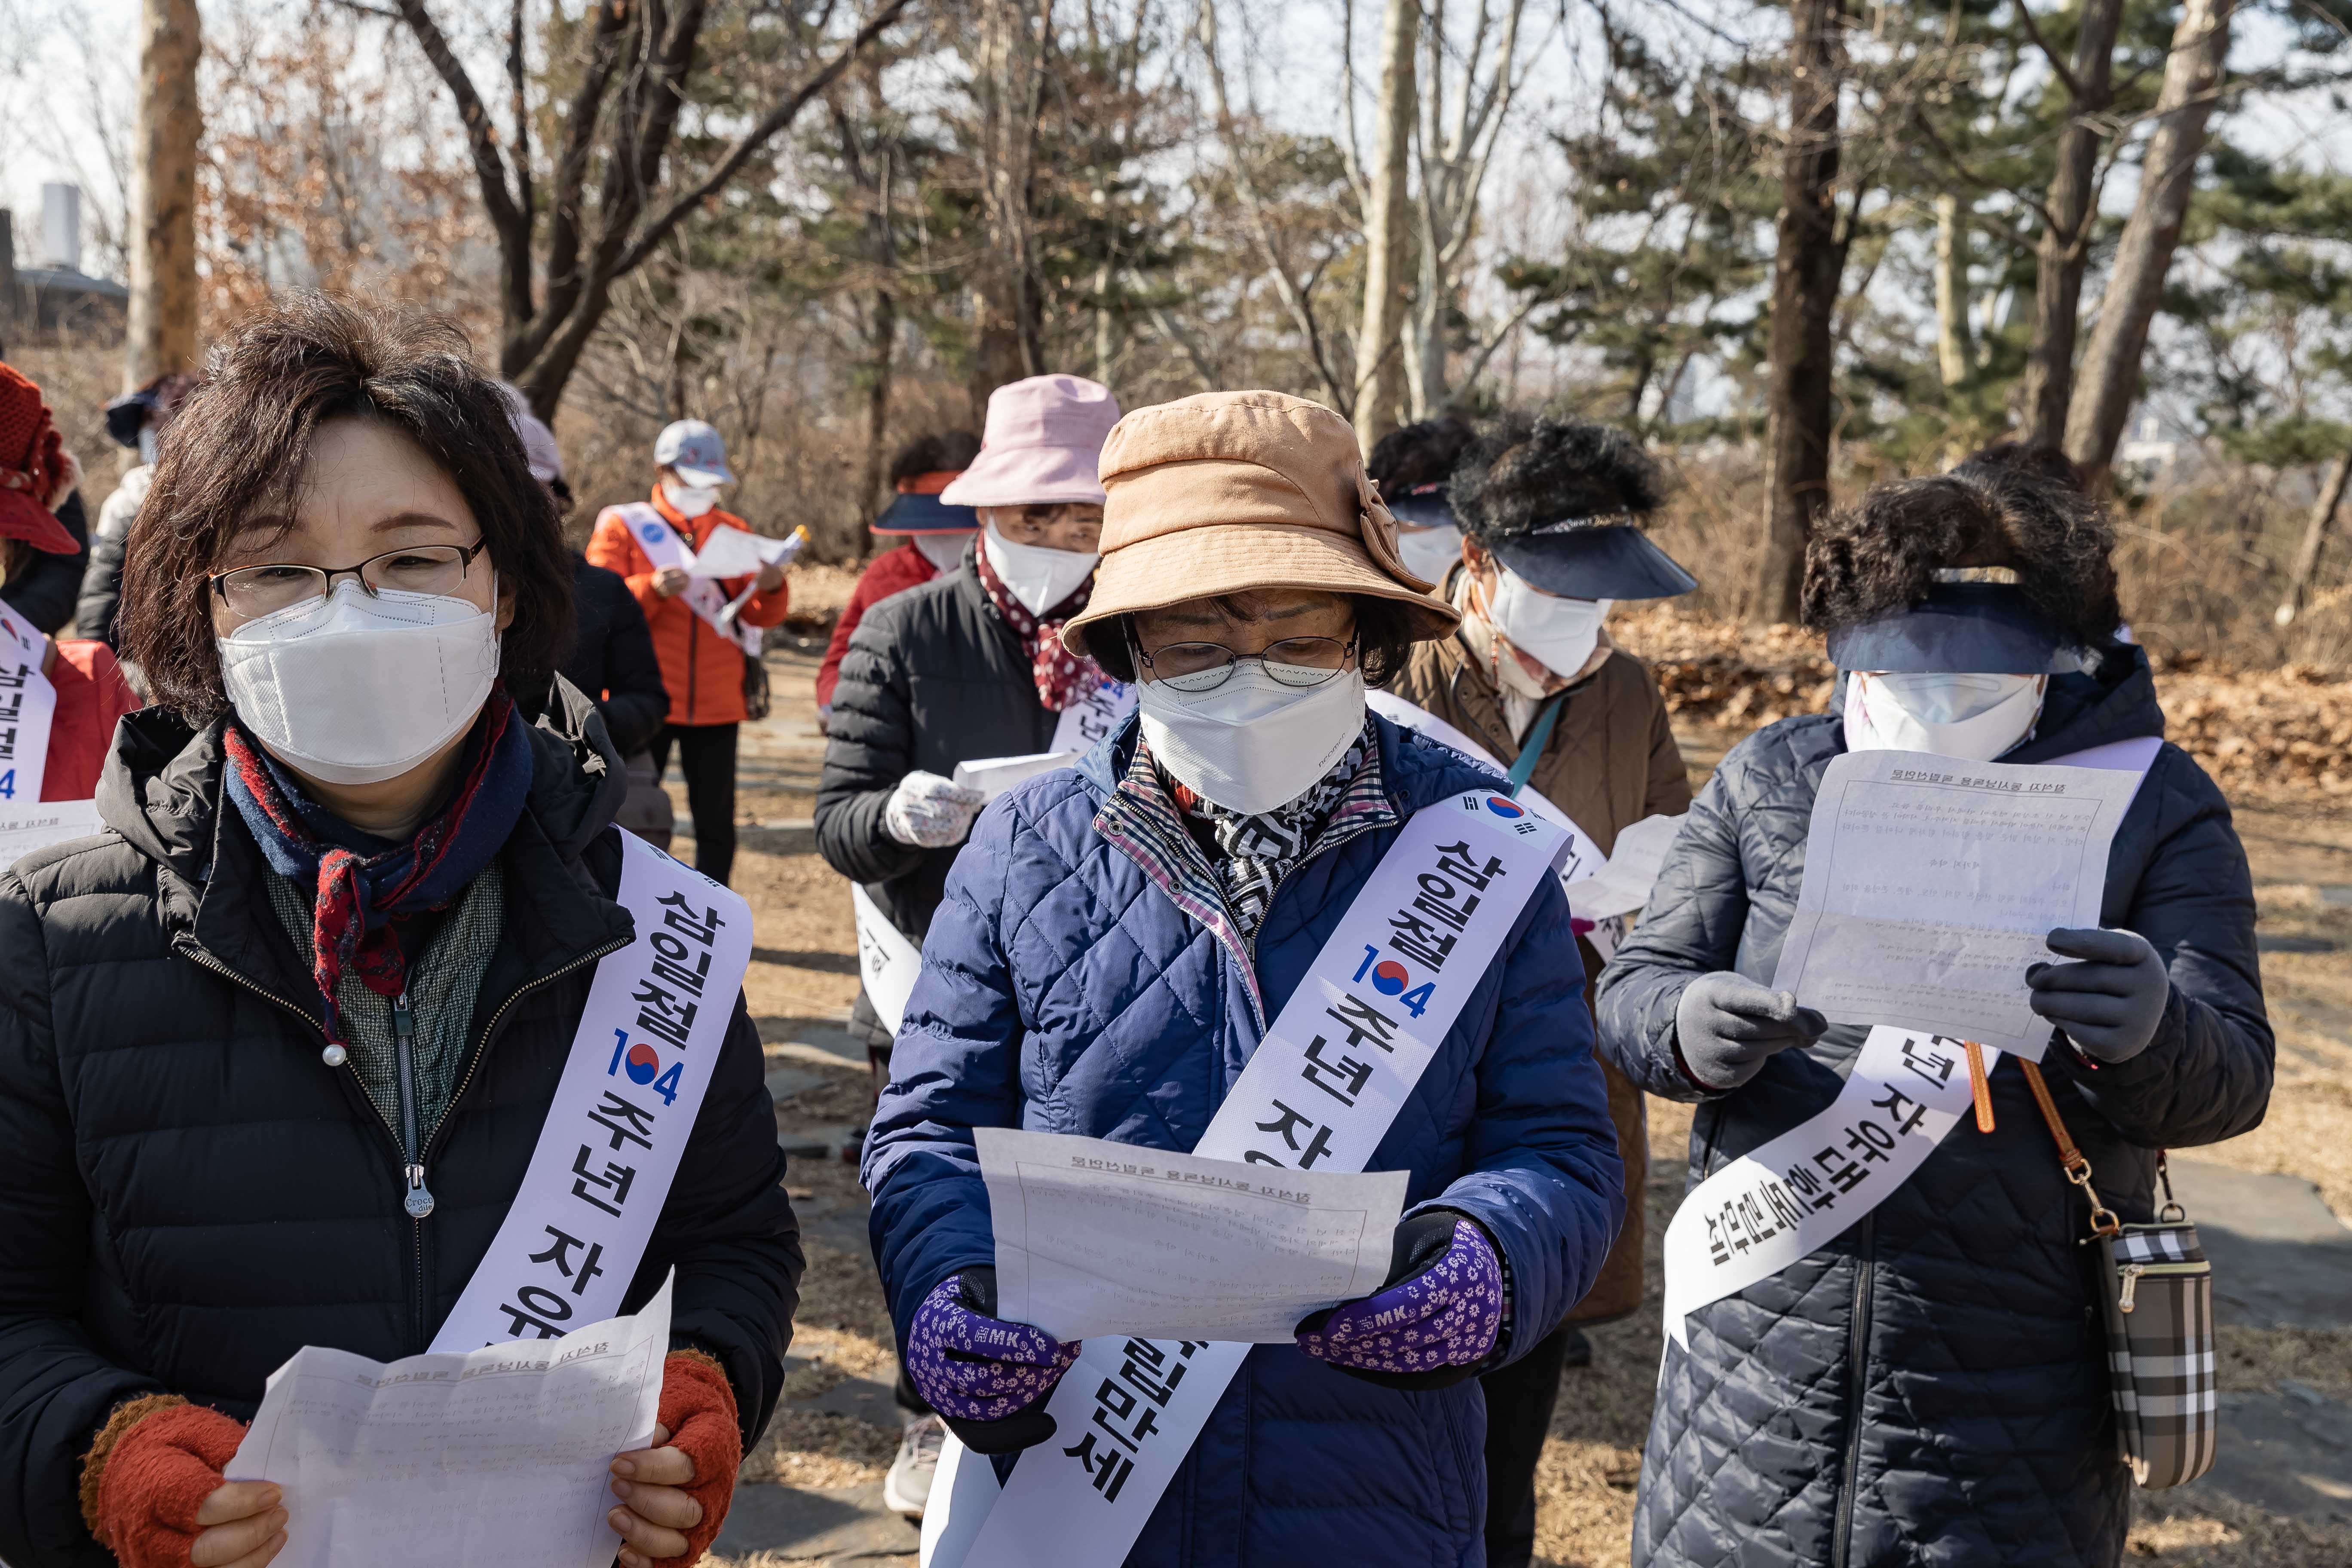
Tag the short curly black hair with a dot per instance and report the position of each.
(1416, 455)
(1528, 470)
(2043, 462)
(941, 452)
(1881, 555)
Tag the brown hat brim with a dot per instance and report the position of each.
(1202, 562)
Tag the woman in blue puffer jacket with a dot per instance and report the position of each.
(1115, 939)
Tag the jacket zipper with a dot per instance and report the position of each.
(411, 1174)
(1857, 1354)
(419, 1201)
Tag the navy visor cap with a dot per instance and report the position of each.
(925, 514)
(1607, 562)
(1960, 628)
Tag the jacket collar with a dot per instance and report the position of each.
(693, 530)
(163, 790)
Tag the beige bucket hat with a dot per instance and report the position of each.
(1231, 491)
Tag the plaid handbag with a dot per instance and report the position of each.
(2155, 1294)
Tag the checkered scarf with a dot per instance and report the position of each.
(363, 881)
(1059, 672)
(1254, 852)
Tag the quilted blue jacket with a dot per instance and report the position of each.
(1064, 992)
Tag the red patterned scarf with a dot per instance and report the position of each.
(363, 881)
(1059, 671)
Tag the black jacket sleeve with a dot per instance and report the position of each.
(1691, 926)
(101, 587)
(635, 700)
(46, 593)
(869, 747)
(56, 1388)
(2207, 1075)
(729, 1231)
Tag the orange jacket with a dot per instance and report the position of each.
(703, 671)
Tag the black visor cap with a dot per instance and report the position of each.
(1960, 628)
(1617, 561)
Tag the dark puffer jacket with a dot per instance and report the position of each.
(1929, 1386)
(934, 676)
(189, 1195)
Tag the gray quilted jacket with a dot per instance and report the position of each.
(1928, 1387)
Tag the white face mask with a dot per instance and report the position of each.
(944, 551)
(689, 501)
(1253, 744)
(1561, 633)
(1429, 552)
(354, 690)
(1974, 718)
(149, 443)
(1039, 576)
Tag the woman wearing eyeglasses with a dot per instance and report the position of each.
(279, 1044)
(1112, 944)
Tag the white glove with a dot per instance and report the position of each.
(929, 812)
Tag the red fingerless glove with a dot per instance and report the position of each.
(699, 1408)
(154, 1463)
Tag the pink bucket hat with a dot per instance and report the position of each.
(1043, 443)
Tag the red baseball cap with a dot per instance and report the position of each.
(32, 462)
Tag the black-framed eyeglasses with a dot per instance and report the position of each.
(1204, 665)
(253, 592)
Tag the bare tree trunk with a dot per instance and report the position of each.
(2063, 247)
(2109, 382)
(1951, 291)
(2315, 538)
(1009, 81)
(1388, 217)
(163, 316)
(1806, 272)
(883, 337)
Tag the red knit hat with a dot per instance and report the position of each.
(32, 462)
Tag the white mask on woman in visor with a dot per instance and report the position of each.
(1037, 574)
(1559, 633)
(1974, 718)
(689, 501)
(1429, 552)
(354, 689)
(1251, 743)
(943, 551)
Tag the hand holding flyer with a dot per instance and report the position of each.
(1930, 885)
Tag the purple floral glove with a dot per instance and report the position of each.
(988, 1377)
(1437, 1319)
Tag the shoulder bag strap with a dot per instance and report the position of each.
(2077, 1165)
(1531, 749)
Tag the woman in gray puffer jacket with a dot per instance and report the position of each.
(1930, 1384)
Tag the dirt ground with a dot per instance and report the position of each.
(804, 977)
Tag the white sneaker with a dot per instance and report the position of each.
(907, 1487)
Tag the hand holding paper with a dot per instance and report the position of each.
(500, 1454)
(1930, 884)
(1102, 1238)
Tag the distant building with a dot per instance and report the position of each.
(56, 298)
(2150, 454)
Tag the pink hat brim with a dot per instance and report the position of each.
(1028, 475)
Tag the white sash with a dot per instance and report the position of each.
(28, 704)
(887, 962)
(1335, 1068)
(1584, 857)
(1806, 1188)
(657, 1013)
(1091, 715)
(664, 547)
